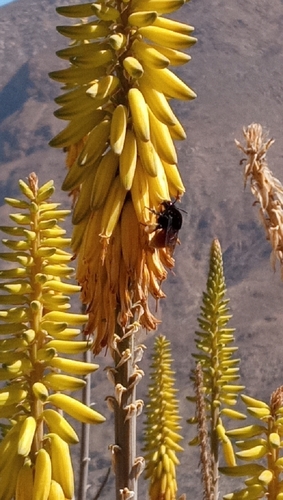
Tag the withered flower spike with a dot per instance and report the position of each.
(276, 400)
(33, 182)
(267, 190)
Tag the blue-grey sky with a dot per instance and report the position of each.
(3, 2)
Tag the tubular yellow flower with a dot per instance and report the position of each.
(259, 442)
(121, 154)
(161, 436)
(34, 301)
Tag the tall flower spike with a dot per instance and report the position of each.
(267, 190)
(220, 370)
(161, 435)
(261, 449)
(35, 329)
(120, 153)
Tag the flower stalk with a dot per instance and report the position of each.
(125, 418)
(207, 464)
(85, 435)
(125, 375)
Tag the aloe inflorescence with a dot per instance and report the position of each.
(260, 450)
(36, 330)
(162, 426)
(120, 152)
(215, 376)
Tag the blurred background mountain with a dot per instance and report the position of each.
(236, 71)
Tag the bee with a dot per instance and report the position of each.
(168, 223)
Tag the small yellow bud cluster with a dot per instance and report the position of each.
(161, 427)
(120, 152)
(35, 329)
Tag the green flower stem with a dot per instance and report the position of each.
(215, 392)
(214, 451)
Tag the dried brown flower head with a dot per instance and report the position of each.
(267, 190)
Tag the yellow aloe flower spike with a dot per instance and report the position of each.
(215, 377)
(161, 434)
(34, 328)
(121, 156)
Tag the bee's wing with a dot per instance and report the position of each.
(159, 239)
(171, 235)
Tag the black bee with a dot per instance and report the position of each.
(168, 223)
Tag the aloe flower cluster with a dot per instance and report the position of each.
(162, 427)
(216, 374)
(121, 156)
(260, 450)
(37, 341)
